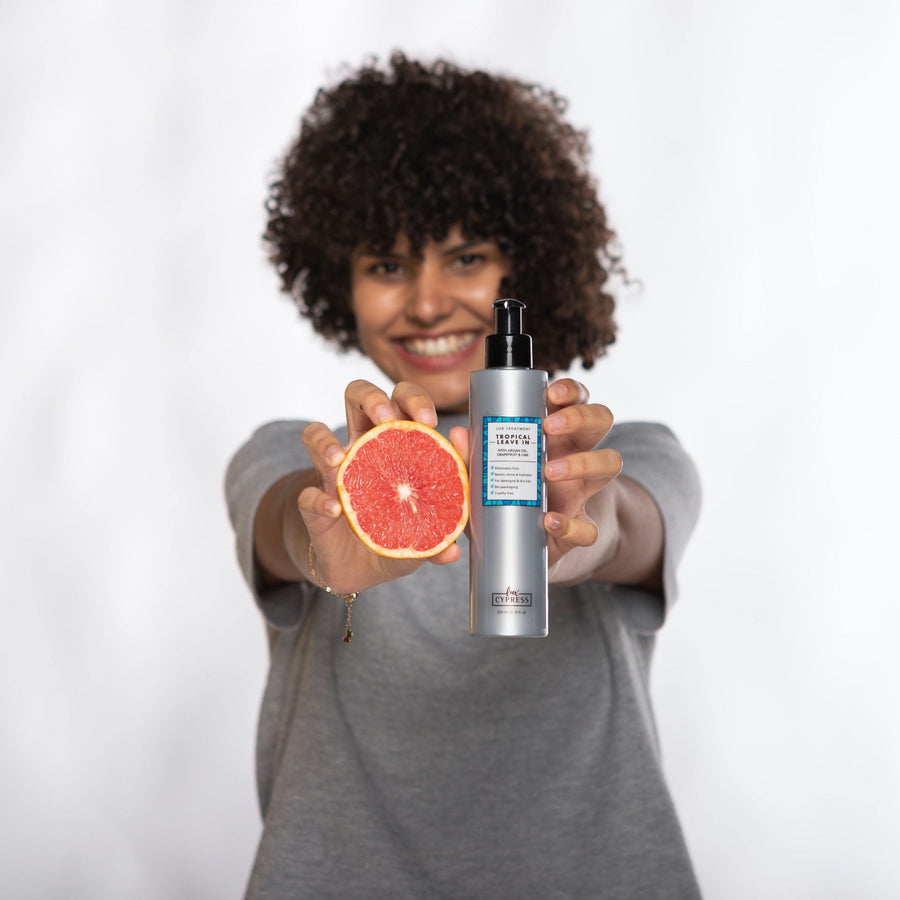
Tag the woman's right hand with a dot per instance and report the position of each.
(343, 562)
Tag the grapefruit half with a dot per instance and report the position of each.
(404, 490)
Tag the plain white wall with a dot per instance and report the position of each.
(746, 152)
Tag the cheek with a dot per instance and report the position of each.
(362, 338)
(372, 312)
(362, 313)
(373, 306)
(367, 337)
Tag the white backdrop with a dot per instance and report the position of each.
(747, 153)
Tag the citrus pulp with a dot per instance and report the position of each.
(404, 490)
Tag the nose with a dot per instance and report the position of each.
(430, 299)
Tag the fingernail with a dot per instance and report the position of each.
(555, 423)
(334, 508)
(553, 523)
(557, 391)
(427, 417)
(555, 469)
(383, 414)
(334, 455)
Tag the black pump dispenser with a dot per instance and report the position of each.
(509, 348)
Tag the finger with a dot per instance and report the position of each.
(314, 503)
(366, 405)
(566, 392)
(459, 437)
(578, 531)
(321, 515)
(411, 401)
(594, 465)
(324, 449)
(581, 426)
(325, 453)
(448, 555)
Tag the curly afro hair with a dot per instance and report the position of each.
(425, 147)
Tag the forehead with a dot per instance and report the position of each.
(402, 245)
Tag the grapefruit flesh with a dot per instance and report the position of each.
(404, 490)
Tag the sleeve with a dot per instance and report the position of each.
(274, 450)
(653, 457)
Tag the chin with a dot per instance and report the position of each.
(447, 400)
(445, 410)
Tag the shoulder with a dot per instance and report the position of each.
(640, 434)
(651, 446)
(272, 451)
(275, 442)
(654, 457)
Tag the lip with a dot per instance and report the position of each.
(460, 346)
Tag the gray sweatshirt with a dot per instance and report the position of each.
(420, 762)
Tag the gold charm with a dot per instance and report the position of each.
(348, 598)
(348, 634)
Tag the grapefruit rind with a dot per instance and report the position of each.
(397, 505)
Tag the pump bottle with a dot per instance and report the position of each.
(508, 544)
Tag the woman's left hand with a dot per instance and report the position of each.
(576, 471)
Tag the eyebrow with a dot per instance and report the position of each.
(466, 245)
(392, 254)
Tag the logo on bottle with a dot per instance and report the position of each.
(511, 598)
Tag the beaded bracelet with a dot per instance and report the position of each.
(347, 598)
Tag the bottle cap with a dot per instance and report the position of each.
(510, 347)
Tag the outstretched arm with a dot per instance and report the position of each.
(303, 507)
(629, 545)
(599, 525)
(278, 526)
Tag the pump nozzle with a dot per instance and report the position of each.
(509, 348)
(508, 316)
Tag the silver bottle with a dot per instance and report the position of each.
(508, 544)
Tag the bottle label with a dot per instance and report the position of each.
(511, 461)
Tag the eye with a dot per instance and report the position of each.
(386, 267)
(465, 260)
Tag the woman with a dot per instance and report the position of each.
(421, 762)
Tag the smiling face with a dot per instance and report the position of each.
(423, 317)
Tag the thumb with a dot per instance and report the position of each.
(459, 437)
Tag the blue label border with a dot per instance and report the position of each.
(484, 461)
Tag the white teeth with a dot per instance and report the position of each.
(440, 346)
